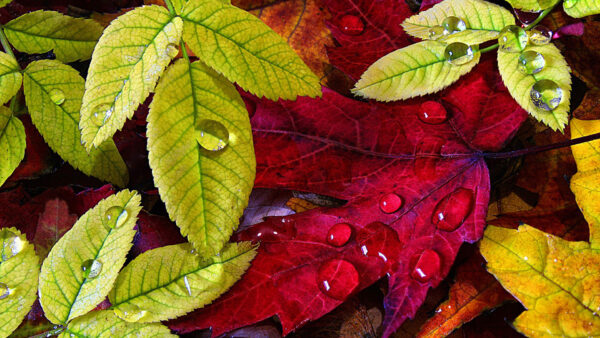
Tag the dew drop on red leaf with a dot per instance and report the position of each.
(432, 112)
(270, 231)
(390, 203)
(428, 153)
(351, 25)
(337, 278)
(379, 240)
(339, 234)
(425, 266)
(453, 209)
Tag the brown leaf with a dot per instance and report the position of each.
(589, 109)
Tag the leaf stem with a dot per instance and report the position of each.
(541, 17)
(539, 149)
(489, 48)
(184, 52)
(5, 44)
(170, 7)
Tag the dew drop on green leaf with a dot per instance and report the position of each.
(57, 96)
(570, 3)
(458, 53)
(540, 35)
(453, 25)
(513, 39)
(212, 135)
(4, 291)
(436, 32)
(129, 312)
(115, 216)
(12, 244)
(186, 283)
(546, 94)
(101, 114)
(91, 268)
(531, 62)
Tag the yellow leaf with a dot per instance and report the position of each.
(53, 93)
(532, 5)
(83, 265)
(127, 62)
(10, 77)
(483, 20)
(201, 153)
(581, 8)
(171, 281)
(19, 270)
(416, 70)
(12, 143)
(104, 324)
(41, 31)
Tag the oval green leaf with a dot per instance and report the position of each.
(532, 5)
(12, 143)
(105, 324)
(10, 77)
(581, 8)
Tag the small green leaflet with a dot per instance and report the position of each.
(532, 5)
(10, 77)
(12, 143)
(105, 324)
(4, 2)
(19, 270)
(41, 31)
(171, 281)
(581, 8)
(83, 265)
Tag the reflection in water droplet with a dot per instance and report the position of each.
(12, 244)
(129, 312)
(91, 268)
(337, 278)
(4, 291)
(339, 234)
(453, 209)
(101, 114)
(531, 62)
(351, 25)
(115, 216)
(569, 3)
(432, 112)
(188, 288)
(425, 266)
(546, 94)
(57, 96)
(212, 135)
(512, 39)
(526, 17)
(379, 240)
(390, 203)
(427, 154)
(271, 230)
(453, 25)
(458, 53)
(540, 35)
(436, 32)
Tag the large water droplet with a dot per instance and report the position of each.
(4, 291)
(270, 230)
(458, 53)
(351, 25)
(436, 32)
(526, 17)
(453, 25)
(427, 154)
(115, 216)
(569, 3)
(512, 39)
(540, 35)
(425, 266)
(12, 244)
(91, 268)
(129, 312)
(379, 240)
(432, 112)
(212, 135)
(337, 278)
(390, 203)
(546, 94)
(57, 96)
(339, 234)
(531, 62)
(453, 209)
(101, 114)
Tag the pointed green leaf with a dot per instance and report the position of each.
(66, 290)
(5, 2)
(127, 62)
(483, 20)
(519, 84)
(105, 324)
(10, 77)
(41, 31)
(53, 93)
(12, 143)
(416, 70)
(581, 8)
(532, 5)
(205, 191)
(246, 50)
(171, 281)
(19, 270)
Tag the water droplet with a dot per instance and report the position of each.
(337, 278)
(270, 231)
(569, 3)
(531, 62)
(390, 203)
(458, 53)
(115, 216)
(188, 288)
(546, 94)
(379, 240)
(12, 244)
(432, 112)
(129, 312)
(436, 32)
(453, 25)
(339, 234)
(212, 135)
(4, 291)
(425, 266)
(540, 35)
(101, 114)
(526, 17)
(453, 209)
(91, 268)
(513, 39)
(427, 154)
(351, 25)
(57, 96)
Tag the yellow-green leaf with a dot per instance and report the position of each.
(581, 8)
(53, 93)
(19, 270)
(100, 324)
(83, 265)
(205, 190)
(519, 84)
(245, 50)
(10, 77)
(556, 280)
(5, 2)
(127, 62)
(171, 281)
(12, 143)
(483, 20)
(415, 70)
(532, 5)
(41, 31)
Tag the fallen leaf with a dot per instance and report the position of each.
(54, 221)
(583, 52)
(589, 109)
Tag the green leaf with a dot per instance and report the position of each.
(127, 62)
(12, 143)
(415, 70)
(519, 84)
(99, 324)
(532, 5)
(245, 50)
(53, 93)
(4, 2)
(171, 281)
(66, 291)
(581, 8)
(205, 191)
(41, 31)
(10, 77)
(483, 20)
(19, 270)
